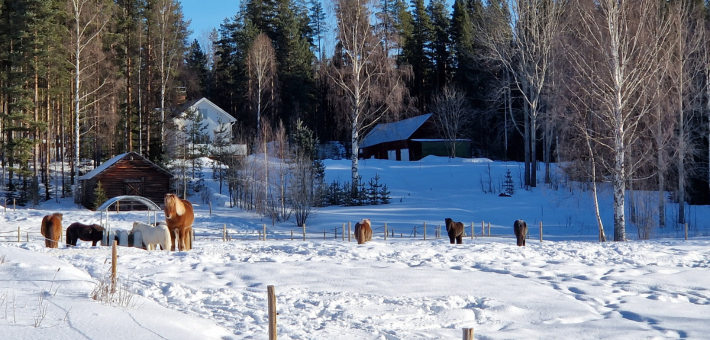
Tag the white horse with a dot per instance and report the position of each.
(153, 235)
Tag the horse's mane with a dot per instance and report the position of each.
(366, 221)
(174, 204)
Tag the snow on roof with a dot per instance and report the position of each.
(111, 162)
(148, 203)
(391, 132)
(102, 167)
(223, 115)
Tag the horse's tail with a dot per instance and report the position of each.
(360, 233)
(48, 229)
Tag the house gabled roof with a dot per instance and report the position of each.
(225, 117)
(391, 132)
(111, 162)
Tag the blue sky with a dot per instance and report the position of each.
(207, 14)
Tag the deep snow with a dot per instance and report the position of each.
(568, 286)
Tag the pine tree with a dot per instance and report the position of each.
(417, 54)
(99, 195)
(198, 73)
(440, 45)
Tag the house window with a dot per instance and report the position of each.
(133, 187)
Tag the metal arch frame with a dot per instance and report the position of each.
(152, 207)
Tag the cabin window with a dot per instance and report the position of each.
(133, 187)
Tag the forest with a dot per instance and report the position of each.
(612, 91)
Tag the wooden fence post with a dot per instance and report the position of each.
(385, 231)
(686, 231)
(489, 228)
(272, 312)
(335, 231)
(18, 234)
(472, 231)
(114, 262)
(468, 334)
(349, 232)
(304, 232)
(27, 235)
(483, 229)
(210, 203)
(424, 231)
(343, 232)
(264, 232)
(540, 231)
(324, 234)
(224, 232)
(13, 205)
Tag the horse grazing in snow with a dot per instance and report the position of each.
(179, 216)
(521, 230)
(455, 230)
(85, 232)
(52, 230)
(363, 231)
(153, 236)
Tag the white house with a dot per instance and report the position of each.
(212, 116)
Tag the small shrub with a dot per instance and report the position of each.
(99, 196)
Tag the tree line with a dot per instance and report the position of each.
(616, 91)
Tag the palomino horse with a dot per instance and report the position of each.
(153, 236)
(52, 230)
(521, 230)
(179, 216)
(363, 231)
(85, 232)
(455, 230)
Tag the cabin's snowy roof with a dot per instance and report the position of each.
(391, 132)
(107, 164)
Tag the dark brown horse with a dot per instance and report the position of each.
(521, 231)
(363, 231)
(455, 230)
(179, 216)
(85, 232)
(52, 230)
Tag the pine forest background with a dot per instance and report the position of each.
(612, 91)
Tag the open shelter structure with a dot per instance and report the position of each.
(104, 209)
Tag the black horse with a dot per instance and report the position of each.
(78, 231)
(455, 230)
(521, 231)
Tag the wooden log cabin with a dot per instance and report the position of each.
(126, 174)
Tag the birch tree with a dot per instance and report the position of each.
(614, 61)
(170, 45)
(365, 83)
(261, 63)
(88, 20)
(528, 57)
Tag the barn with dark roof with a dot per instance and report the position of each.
(125, 174)
(409, 140)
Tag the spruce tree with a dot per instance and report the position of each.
(440, 45)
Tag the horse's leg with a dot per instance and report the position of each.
(452, 238)
(459, 239)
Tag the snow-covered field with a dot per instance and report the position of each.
(567, 287)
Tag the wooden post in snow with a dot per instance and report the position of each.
(114, 263)
(18, 234)
(424, 231)
(468, 334)
(343, 232)
(540, 231)
(472, 231)
(264, 232)
(272, 312)
(483, 229)
(224, 232)
(349, 232)
(304, 232)
(686, 231)
(385, 231)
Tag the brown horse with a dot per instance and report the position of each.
(363, 231)
(521, 230)
(52, 230)
(455, 230)
(85, 232)
(179, 216)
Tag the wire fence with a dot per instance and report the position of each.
(345, 232)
